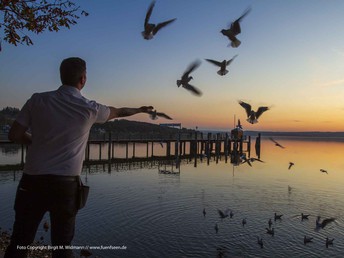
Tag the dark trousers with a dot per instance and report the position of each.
(35, 196)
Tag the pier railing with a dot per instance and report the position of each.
(176, 147)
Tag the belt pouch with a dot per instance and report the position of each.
(82, 194)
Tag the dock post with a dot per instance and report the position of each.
(225, 147)
(168, 148)
(133, 149)
(126, 149)
(152, 154)
(249, 146)
(257, 146)
(209, 148)
(147, 149)
(195, 150)
(109, 147)
(100, 150)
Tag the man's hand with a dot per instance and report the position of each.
(146, 109)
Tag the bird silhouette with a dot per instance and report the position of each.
(270, 231)
(270, 223)
(186, 78)
(276, 143)
(150, 29)
(304, 216)
(244, 222)
(278, 216)
(222, 65)
(323, 171)
(204, 212)
(324, 223)
(224, 214)
(154, 115)
(290, 165)
(252, 116)
(260, 242)
(307, 239)
(234, 30)
(216, 228)
(329, 242)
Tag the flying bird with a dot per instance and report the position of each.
(252, 116)
(323, 171)
(150, 29)
(186, 78)
(222, 65)
(276, 143)
(234, 30)
(290, 165)
(154, 115)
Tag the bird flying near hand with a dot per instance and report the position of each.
(154, 115)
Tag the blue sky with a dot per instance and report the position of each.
(291, 59)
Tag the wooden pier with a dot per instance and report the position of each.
(182, 146)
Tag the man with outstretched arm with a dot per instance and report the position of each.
(55, 125)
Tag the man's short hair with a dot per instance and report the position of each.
(71, 70)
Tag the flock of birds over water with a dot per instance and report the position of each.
(151, 29)
(270, 230)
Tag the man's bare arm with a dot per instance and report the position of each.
(19, 134)
(125, 111)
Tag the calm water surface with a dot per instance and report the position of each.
(157, 215)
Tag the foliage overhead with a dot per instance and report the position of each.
(18, 17)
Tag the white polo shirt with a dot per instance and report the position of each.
(60, 122)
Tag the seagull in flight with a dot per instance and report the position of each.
(277, 144)
(222, 65)
(234, 30)
(323, 171)
(150, 29)
(290, 165)
(186, 78)
(154, 115)
(252, 116)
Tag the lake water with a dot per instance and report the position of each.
(159, 215)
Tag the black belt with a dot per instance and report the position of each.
(51, 178)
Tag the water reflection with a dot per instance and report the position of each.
(161, 215)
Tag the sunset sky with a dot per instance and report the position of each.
(291, 59)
